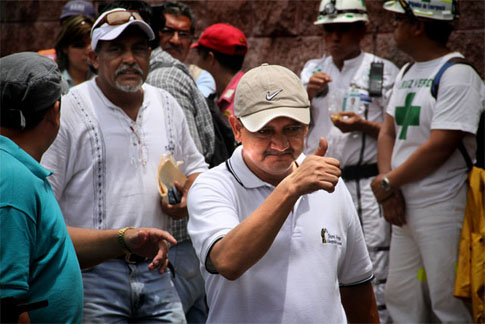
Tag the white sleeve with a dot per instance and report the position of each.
(212, 212)
(390, 73)
(459, 101)
(310, 67)
(185, 149)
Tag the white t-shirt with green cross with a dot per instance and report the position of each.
(416, 113)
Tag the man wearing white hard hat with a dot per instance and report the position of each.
(427, 135)
(348, 108)
(114, 130)
(276, 233)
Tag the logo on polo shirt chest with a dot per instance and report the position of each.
(328, 238)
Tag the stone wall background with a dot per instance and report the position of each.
(278, 31)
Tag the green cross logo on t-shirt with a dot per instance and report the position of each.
(407, 115)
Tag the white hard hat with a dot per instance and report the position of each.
(431, 9)
(341, 11)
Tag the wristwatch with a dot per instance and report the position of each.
(385, 184)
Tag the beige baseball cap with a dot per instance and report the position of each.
(267, 92)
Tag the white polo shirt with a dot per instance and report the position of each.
(105, 164)
(298, 279)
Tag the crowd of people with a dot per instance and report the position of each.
(335, 196)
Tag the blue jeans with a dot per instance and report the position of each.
(188, 281)
(116, 291)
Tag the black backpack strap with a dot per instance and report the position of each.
(466, 157)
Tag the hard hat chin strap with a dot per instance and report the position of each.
(407, 9)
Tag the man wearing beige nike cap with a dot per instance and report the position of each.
(276, 232)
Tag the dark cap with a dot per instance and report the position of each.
(78, 7)
(29, 83)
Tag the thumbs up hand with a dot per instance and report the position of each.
(316, 172)
(322, 147)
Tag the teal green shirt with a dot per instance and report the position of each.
(37, 257)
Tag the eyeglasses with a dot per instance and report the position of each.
(170, 32)
(118, 18)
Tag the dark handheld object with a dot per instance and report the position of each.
(173, 196)
(11, 308)
(376, 78)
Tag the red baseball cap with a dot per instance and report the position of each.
(223, 38)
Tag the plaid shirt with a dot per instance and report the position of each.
(173, 76)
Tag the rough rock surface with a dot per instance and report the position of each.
(278, 31)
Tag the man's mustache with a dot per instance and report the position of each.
(279, 153)
(127, 68)
(178, 49)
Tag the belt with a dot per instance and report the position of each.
(356, 172)
(133, 258)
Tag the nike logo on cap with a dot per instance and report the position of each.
(270, 96)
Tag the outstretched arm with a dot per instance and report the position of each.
(96, 246)
(235, 253)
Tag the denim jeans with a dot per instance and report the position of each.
(188, 281)
(116, 291)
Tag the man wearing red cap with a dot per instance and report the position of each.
(221, 49)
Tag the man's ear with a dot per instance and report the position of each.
(212, 58)
(418, 28)
(53, 116)
(93, 58)
(236, 127)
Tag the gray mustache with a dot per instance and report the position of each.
(125, 68)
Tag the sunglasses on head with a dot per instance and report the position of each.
(118, 18)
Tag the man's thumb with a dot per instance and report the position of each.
(322, 147)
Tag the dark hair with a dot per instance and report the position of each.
(10, 118)
(175, 8)
(438, 31)
(231, 62)
(74, 31)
